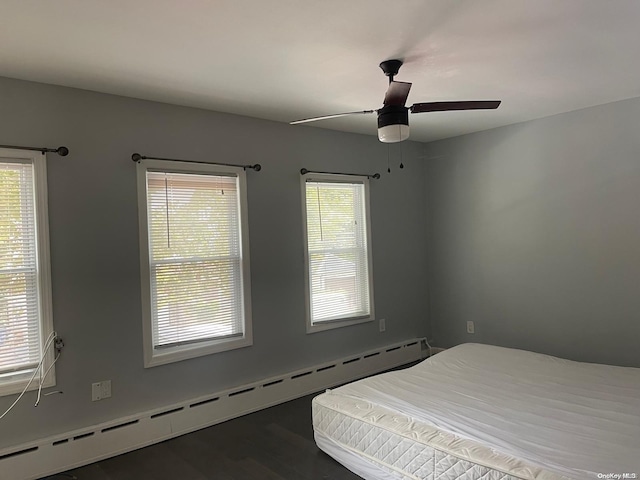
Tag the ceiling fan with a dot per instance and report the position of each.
(393, 117)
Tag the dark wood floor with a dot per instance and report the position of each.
(276, 443)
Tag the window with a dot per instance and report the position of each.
(338, 251)
(25, 292)
(195, 260)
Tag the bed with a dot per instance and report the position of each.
(480, 412)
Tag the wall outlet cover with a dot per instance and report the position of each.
(100, 390)
(471, 327)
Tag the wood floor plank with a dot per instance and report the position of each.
(157, 462)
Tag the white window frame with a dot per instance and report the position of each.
(17, 383)
(347, 321)
(152, 356)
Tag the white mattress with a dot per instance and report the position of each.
(511, 412)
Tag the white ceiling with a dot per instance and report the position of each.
(289, 59)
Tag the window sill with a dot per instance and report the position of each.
(11, 387)
(330, 325)
(178, 354)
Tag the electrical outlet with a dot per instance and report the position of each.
(100, 390)
(383, 325)
(471, 327)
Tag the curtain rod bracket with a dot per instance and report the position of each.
(304, 171)
(62, 151)
(136, 157)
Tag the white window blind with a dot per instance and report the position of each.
(20, 310)
(338, 258)
(195, 252)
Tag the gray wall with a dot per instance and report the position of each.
(535, 235)
(95, 258)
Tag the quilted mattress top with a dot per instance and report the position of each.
(575, 419)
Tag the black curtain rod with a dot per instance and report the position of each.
(62, 151)
(136, 157)
(304, 171)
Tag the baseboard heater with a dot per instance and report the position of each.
(70, 450)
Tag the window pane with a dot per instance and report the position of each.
(338, 258)
(192, 216)
(19, 308)
(197, 300)
(195, 257)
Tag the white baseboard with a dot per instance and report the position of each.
(80, 447)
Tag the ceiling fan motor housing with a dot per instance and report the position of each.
(393, 123)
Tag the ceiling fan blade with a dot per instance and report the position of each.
(397, 93)
(446, 106)
(326, 117)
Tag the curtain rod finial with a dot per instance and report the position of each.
(304, 171)
(257, 167)
(376, 176)
(62, 151)
(136, 157)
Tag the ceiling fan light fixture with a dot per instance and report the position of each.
(393, 123)
(393, 133)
